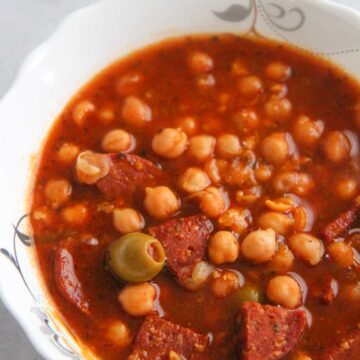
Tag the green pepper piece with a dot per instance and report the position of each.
(136, 257)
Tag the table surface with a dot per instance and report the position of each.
(25, 24)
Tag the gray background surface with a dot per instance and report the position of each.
(24, 24)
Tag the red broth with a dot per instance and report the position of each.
(315, 110)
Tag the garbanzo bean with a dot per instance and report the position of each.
(224, 283)
(138, 300)
(136, 112)
(248, 196)
(68, 153)
(307, 247)
(194, 180)
(228, 146)
(283, 204)
(215, 169)
(350, 292)
(263, 172)
(200, 62)
(169, 143)
(306, 131)
(201, 147)
(58, 192)
(82, 111)
(301, 356)
(250, 86)
(336, 146)
(200, 275)
(128, 83)
(246, 120)
(236, 219)
(106, 115)
(278, 109)
(259, 246)
(283, 259)
(302, 217)
(346, 188)
(285, 291)
(278, 71)
(119, 333)
(341, 253)
(213, 201)
(118, 141)
(275, 148)
(76, 214)
(91, 167)
(239, 68)
(188, 124)
(299, 183)
(128, 220)
(160, 202)
(223, 248)
(280, 223)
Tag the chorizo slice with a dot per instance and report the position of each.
(268, 332)
(67, 282)
(185, 241)
(162, 339)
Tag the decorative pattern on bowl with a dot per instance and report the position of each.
(92, 38)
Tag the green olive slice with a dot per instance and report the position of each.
(136, 257)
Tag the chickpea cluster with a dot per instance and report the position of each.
(228, 176)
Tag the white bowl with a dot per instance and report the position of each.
(86, 42)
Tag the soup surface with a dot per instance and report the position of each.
(198, 200)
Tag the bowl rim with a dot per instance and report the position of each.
(31, 61)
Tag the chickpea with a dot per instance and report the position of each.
(301, 356)
(128, 83)
(223, 248)
(278, 71)
(250, 86)
(67, 153)
(58, 192)
(275, 148)
(279, 90)
(248, 196)
(215, 168)
(200, 275)
(336, 146)
(224, 283)
(160, 202)
(239, 68)
(341, 253)
(106, 115)
(306, 131)
(44, 215)
(259, 246)
(346, 189)
(246, 120)
(201, 147)
(302, 217)
(200, 62)
(205, 81)
(278, 109)
(351, 292)
(188, 124)
(91, 167)
(169, 143)
(194, 180)
(307, 247)
(285, 291)
(136, 112)
(82, 111)
(213, 201)
(128, 220)
(119, 334)
(228, 146)
(263, 172)
(76, 214)
(283, 259)
(138, 300)
(118, 141)
(279, 222)
(238, 220)
(299, 183)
